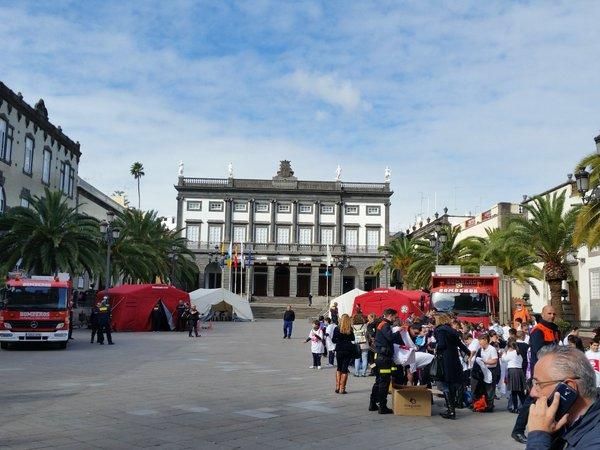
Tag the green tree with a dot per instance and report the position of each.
(587, 224)
(49, 237)
(547, 233)
(137, 170)
(401, 254)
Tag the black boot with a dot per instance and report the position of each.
(450, 411)
(383, 409)
(373, 405)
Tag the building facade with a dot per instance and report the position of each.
(283, 227)
(34, 153)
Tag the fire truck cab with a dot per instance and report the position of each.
(35, 309)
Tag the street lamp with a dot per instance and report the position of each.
(248, 263)
(341, 262)
(109, 234)
(437, 239)
(582, 181)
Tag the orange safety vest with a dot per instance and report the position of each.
(550, 336)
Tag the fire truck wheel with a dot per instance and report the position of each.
(62, 345)
(4, 345)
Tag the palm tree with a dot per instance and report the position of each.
(401, 252)
(49, 237)
(137, 170)
(547, 234)
(587, 225)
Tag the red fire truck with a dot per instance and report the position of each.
(473, 297)
(35, 309)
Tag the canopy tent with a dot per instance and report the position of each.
(132, 304)
(379, 299)
(211, 302)
(345, 302)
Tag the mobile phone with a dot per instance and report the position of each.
(568, 396)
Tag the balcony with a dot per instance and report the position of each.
(283, 249)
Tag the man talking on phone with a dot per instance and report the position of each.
(564, 378)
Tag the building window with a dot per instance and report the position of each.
(28, 160)
(46, 166)
(192, 233)
(261, 234)
(214, 235)
(373, 211)
(67, 179)
(283, 235)
(372, 239)
(2, 200)
(24, 202)
(305, 236)
(240, 207)
(595, 294)
(351, 210)
(262, 207)
(305, 209)
(284, 208)
(4, 140)
(327, 209)
(327, 236)
(215, 206)
(239, 233)
(351, 239)
(71, 181)
(194, 206)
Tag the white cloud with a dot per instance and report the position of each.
(327, 88)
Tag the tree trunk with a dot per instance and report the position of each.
(555, 300)
(139, 196)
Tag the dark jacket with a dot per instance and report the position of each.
(104, 313)
(385, 339)
(583, 434)
(289, 316)
(447, 344)
(537, 339)
(343, 342)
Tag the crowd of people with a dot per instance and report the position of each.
(472, 365)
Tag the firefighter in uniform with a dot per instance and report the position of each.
(384, 364)
(104, 313)
(94, 321)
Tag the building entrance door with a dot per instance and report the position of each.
(303, 281)
(260, 281)
(371, 283)
(281, 287)
(347, 284)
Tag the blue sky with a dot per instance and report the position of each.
(470, 103)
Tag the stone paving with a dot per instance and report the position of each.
(240, 385)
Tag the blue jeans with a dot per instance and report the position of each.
(287, 328)
(361, 364)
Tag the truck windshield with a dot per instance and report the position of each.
(459, 301)
(34, 298)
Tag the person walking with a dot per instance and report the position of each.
(310, 297)
(343, 338)
(544, 333)
(448, 343)
(384, 364)
(288, 322)
(94, 321)
(359, 327)
(104, 316)
(193, 317)
(71, 306)
(181, 321)
(329, 345)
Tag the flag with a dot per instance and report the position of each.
(229, 253)
(242, 255)
(328, 259)
(235, 257)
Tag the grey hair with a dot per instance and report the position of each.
(572, 363)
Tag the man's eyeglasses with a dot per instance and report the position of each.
(541, 384)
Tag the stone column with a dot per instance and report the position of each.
(338, 222)
(228, 219)
(386, 230)
(293, 279)
(227, 278)
(180, 206)
(317, 228)
(294, 237)
(314, 280)
(250, 237)
(273, 221)
(270, 280)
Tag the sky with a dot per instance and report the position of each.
(469, 103)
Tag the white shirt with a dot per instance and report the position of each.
(316, 345)
(473, 347)
(594, 358)
(328, 341)
(489, 353)
(512, 359)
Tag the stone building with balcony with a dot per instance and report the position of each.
(284, 226)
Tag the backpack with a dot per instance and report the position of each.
(480, 405)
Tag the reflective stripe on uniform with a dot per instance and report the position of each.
(390, 370)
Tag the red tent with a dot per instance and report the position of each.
(405, 302)
(132, 304)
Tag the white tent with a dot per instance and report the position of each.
(209, 301)
(345, 302)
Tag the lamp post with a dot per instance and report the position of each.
(342, 262)
(437, 239)
(249, 262)
(109, 234)
(582, 181)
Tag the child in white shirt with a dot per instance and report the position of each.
(516, 377)
(315, 336)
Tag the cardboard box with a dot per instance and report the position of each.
(412, 401)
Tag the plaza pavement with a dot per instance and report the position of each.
(238, 386)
